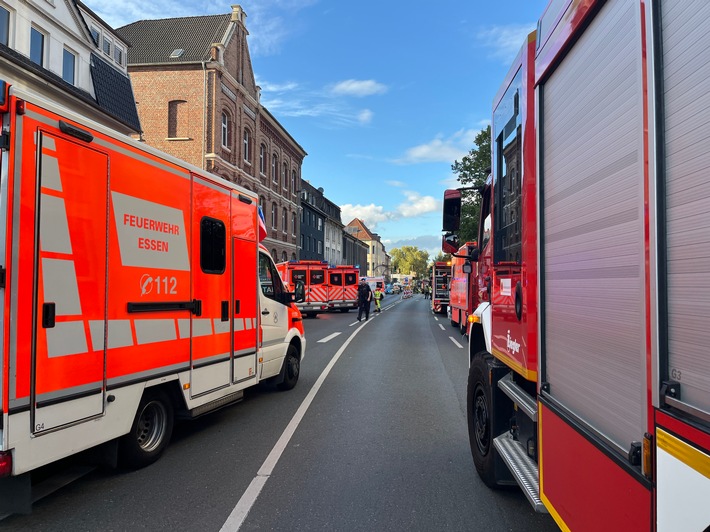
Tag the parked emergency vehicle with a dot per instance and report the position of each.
(314, 275)
(375, 283)
(133, 289)
(342, 287)
(589, 378)
(463, 287)
(440, 276)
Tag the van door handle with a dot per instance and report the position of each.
(265, 313)
(48, 315)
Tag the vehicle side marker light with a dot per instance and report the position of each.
(647, 454)
(5, 463)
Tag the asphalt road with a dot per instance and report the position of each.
(373, 437)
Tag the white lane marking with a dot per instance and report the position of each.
(455, 342)
(437, 319)
(239, 514)
(442, 327)
(329, 338)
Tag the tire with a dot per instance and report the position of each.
(150, 432)
(344, 310)
(479, 419)
(310, 315)
(291, 369)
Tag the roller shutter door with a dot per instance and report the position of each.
(686, 70)
(592, 235)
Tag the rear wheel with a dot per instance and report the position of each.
(291, 369)
(344, 310)
(150, 432)
(479, 419)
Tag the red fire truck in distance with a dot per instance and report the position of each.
(134, 290)
(343, 284)
(314, 275)
(440, 275)
(463, 287)
(589, 383)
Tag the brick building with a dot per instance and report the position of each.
(198, 100)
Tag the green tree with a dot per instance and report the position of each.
(408, 260)
(473, 170)
(442, 257)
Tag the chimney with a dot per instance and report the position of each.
(238, 15)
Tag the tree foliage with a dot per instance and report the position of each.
(473, 170)
(408, 260)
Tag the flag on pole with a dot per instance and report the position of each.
(262, 225)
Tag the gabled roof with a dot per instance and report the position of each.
(361, 230)
(153, 41)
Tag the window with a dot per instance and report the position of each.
(273, 216)
(247, 143)
(118, 55)
(317, 276)
(107, 46)
(293, 223)
(213, 245)
(68, 66)
(226, 133)
(293, 181)
(274, 168)
(284, 221)
(95, 35)
(262, 159)
(37, 46)
(4, 26)
(284, 256)
(293, 256)
(284, 176)
(320, 223)
(269, 278)
(301, 241)
(177, 113)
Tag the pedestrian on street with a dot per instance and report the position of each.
(364, 297)
(379, 296)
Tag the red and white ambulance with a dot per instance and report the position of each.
(314, 276)
(133, 288)
(342, 287)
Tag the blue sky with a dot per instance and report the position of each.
(383, 95)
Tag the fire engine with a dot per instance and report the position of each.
(463, 288)
(314, 276)
(134, 289)
(440, 276)
(342, 292)
(589, 379)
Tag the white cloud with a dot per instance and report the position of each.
(358, 88)
(365, 116)
(398, 184)
(441, 150)
(505, 42)
(370, 214)
(416, 205)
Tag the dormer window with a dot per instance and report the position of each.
(95, 35)
(107, 46)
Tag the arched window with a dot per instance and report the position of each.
(284, 221)
(293, 223)
(275, 168)
(284, 176)
(226, 131)
(273, 253)
(273, 216)
(262, 159)
(293, 181)
(293, 256)
(247, 146)
(284, 256)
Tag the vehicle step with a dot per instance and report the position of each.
(215, 405)
(523, 468)
(525, 402)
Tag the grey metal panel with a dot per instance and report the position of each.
(686, 70)
(592, 210)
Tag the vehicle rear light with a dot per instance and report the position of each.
(5, 463)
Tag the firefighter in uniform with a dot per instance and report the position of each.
(379, 296)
